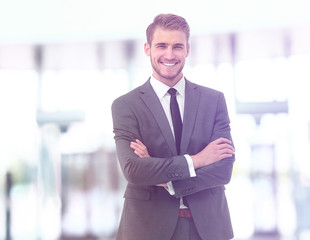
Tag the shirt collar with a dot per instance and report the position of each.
(161, 89)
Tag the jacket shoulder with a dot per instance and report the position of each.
(203, 89)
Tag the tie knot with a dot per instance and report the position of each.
(172, 91)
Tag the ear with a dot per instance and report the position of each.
(147, 49)
(187, 49)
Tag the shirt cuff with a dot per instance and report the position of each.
(190, 163)
(170, 188)
(192, 173)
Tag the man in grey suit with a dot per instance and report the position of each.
(176, 174)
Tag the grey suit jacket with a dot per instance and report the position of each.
(150, 212)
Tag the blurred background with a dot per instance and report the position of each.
(63, 62)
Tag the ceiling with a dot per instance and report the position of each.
(61, 20)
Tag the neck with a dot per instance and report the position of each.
(169, 82)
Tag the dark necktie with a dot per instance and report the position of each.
(176, 118)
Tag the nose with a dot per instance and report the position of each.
(169, 54)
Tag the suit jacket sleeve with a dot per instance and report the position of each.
(129, 119)
(219, 173)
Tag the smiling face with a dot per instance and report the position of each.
(168, 52)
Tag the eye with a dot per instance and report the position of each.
(161, 46)
(179, 46)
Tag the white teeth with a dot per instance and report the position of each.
(169, 64)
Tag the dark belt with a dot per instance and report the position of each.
(185, 213)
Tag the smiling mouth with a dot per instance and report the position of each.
(169, 64)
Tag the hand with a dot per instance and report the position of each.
(215, 151)
(139, 148)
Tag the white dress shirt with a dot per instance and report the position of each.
(161, 91)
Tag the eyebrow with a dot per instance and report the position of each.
(165, 44)
(179, 45)
(161, 44)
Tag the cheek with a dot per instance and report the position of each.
(155, 57)
(184, 55)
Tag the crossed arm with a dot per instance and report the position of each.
(215, 151)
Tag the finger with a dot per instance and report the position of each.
(228, 152)
(140, 144)
(226, 155)
(133, 146)
(226, 146)
(137, 146)
(138, 153)
(222, 140)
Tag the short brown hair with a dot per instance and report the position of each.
(168, 22)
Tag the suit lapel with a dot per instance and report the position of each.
(151, 100)
(192, 96)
